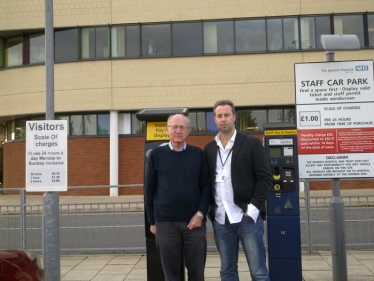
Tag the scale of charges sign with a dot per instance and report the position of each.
(46, 155)
(335, 119)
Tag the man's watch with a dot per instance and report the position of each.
(200, 215)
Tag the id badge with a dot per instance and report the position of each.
(220, 178)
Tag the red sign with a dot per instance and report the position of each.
(328, 141)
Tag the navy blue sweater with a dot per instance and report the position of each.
(177, 184)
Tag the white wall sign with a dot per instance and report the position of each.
(334, 82)
(46, 155)
(335, 120)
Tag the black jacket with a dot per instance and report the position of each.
(250, 172)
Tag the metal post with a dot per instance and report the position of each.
(51, 218)
(337, 234)
(51, 236)
(337, 221)
(23, 218)
(308, 219)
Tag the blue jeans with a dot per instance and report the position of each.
(250, 234)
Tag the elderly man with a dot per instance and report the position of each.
(177, 197)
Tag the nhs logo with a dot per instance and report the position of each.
(362, 67)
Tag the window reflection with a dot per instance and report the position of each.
(102, 42)
(103, 124)
(197, 121)
(66, 45)
(13, 51)
(218, 37)
(275, 115)
(289, 115)
(76, 125)
(291, 33)
(90, 125)
(67, 122)
(88, 43)
(250, 120)
(187, 38)
(307, 33)
(371, 29)
(350, 24)
(274, 34)
(137, 127)
(323, 26)
(156, 40)
(20, 132)
(132, 40)
(1, 53)
(211, 126)
(37, 48)
(250, 35)
(118, 41)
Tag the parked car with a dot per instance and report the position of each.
(17, 265)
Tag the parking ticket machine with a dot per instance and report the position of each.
(156, 135)
(283, 214)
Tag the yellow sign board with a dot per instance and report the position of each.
(157, 131)
(280, 132)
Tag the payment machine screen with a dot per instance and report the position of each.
(275, 151)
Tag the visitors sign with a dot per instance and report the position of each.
(46, 155)
(335, 120)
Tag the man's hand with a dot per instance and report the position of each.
(195, 222)
(153, 229)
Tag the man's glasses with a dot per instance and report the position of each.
(174, 128)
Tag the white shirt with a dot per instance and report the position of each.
(224, 194)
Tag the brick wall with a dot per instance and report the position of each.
(88, 165)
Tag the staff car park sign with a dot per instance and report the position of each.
(335, 119)
(46, 155)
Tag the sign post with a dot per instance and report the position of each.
(335, 129)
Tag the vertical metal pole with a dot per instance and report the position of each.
(337, 221)
(308, 219)
(337, 234)
(23, 218)
(51, 218)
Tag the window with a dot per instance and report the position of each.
(250, 35)
(370, 31)
(323, 26)
(76, 125)
(67, 122)
(103, 124)
(13, 51)
(37, 48)
(291, 33)
(20, 132)
(307, 33)
(90, 124)
(95, 42)
(218, 37)
(137, 127)
(197, 121)
(1, 52)
(350, 24)
(211, 126)
(66, 45)
(102, 42)
(274, 34)
(275, 115)
(187, 38)
(132, 40)
(118, 41)
(250, 120)
(156, 40)
(289, 115)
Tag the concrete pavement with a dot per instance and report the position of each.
(315, 267)
(131, 267)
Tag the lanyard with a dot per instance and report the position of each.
(220, 158)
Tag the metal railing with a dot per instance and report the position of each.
(92, 227)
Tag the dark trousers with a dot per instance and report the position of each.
(173, 238)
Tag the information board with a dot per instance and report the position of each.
(335, 119)
(46, 155)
